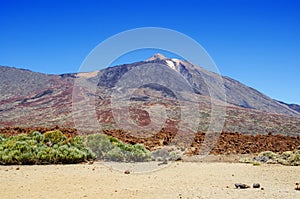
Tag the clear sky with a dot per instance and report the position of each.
(256, 42)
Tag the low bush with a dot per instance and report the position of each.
(288, 158)
(54, 147)
(109, 148)
(256, 163)
(54, 137)
(269, 154)
(246, 160)
(51, 148)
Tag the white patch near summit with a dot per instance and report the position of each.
(171, 64)
(176, 61)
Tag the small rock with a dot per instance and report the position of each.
(262, 159)
(241, 186)
(163, 162)
(127, 172)
(256, 185)
(18, 168)
(262, 189)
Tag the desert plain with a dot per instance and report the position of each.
(201, 179)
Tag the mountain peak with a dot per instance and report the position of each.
(157, 56)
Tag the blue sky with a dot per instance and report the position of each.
(256, 42)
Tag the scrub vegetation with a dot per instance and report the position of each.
(54, 147)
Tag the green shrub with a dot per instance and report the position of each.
(54, 147)
(115, 154)
(99, 144)
(285, 155)
(109, 148)
(288, 158)
(54, 137)
(51, 148)
(2, 138)
(294, 159)
(256, 163)
(269, 154)
(37, 136)
(246, 160)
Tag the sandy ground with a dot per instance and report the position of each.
(176, 180)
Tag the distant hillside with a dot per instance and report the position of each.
(295, 107)
(34, 99)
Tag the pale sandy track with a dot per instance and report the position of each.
(179, 180)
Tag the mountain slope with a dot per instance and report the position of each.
(295, 107)
(236, 93)
(34, 99)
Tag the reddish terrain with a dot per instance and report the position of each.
(227, 143)
(8, 131)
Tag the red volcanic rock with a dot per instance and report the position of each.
(227, 142)
(140, 116)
